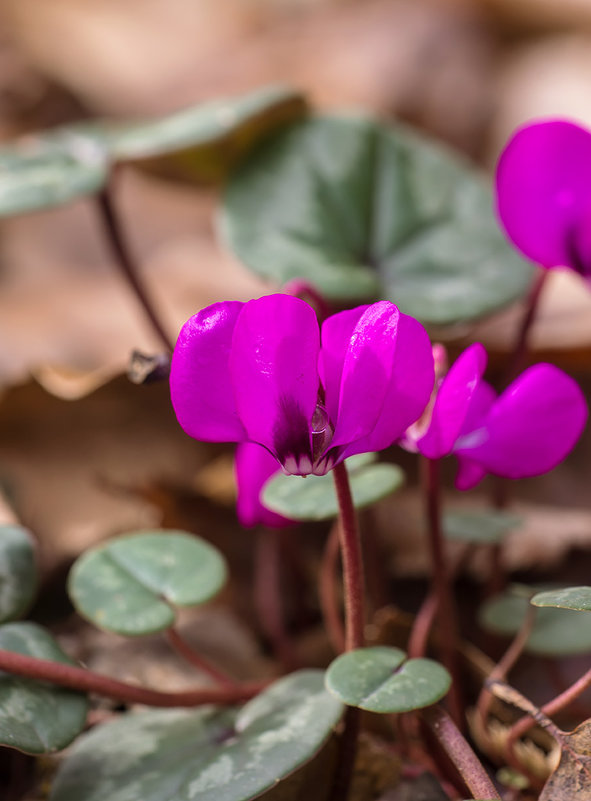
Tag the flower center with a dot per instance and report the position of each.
(321, 430)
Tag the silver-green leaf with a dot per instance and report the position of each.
(132, 584)
(18, 572)
(206, 754)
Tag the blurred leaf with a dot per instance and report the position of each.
(361, 210)
(34, 717)
(577, 598)
(200, 143)
(480, 526)
(556, 632)
(47, 170)
(131, 584)
(314, 497)
(207, 754)
(18, 572)
(381, 679)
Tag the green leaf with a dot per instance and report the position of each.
(314, 497)
(201, 142)
(381, 679)
(37, 718)
(480, 526)
(576, 598)
(363, 210)
(206, 754)
(131, 584)
(42, 171)
(18, 572)
(556, 632)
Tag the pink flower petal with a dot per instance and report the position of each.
(254, 466)
(532, 426)
(408, 388)
(452, 402)
(273, 364)
(469, 473)
(200, 383)
(544, 192)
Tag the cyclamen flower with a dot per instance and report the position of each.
(263, 372)
(253, 467)
(525, 432)
(544, 194)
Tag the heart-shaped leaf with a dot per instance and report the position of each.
(201, 142)
(360, 209)
(47, 170)
(18, 572)
(206, 754)
(314, 497)
(576, 598)
(381, 679)
(132, 584)
(555, 632)
(34, 717)
(480, 526)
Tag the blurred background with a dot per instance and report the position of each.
(84, 454)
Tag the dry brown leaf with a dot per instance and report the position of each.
(65, 309)
(571, 781)
(72, 469)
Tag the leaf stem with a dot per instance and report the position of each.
(268, 600)
(182, 647)
(446, 609)
(352, 561)
(460, 753)
(127, 263)
(76, 678)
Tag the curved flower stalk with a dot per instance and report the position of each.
(264, 372)
(524, 432)
(543, 187)
(253, 466)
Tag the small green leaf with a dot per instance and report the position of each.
(206, 754)
(556, 632)
(381, 679)
(480, 526)
(314, 497)
(42, 171)
(576, 598)
(363, 210)
(131, 584)
(34, 717)
(201, 142)
(18, 572)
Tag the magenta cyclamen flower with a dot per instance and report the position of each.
(263, 372)
(544, 194)
(254, 466)
(525, 432)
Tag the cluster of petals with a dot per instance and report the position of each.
(543, 185)
(524, 432)
(265, 372)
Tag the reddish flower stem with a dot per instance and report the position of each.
(505, 664)
(126, 262)
(446, 609)
(521, 346)
(353, 582)
(76, 678)
(423, 623)
(268, 599)
(460, 753)
(182, 647)
(327, 591)
(352, 562)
